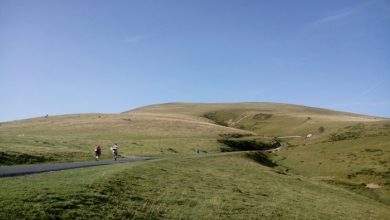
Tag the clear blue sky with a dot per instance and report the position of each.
(60, 57)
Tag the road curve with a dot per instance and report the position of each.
(18, 170)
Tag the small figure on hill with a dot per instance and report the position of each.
(47, 116)
(114, 150)
(98, 152)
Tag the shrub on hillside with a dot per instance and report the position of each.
(262, 116)
(245, 144)
(234, 135)
(11, 158)
(214, 117)
(348, 135)
(350, 132)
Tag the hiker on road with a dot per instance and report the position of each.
(98, 152)
(114, 150)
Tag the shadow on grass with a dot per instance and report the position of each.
(261, 158)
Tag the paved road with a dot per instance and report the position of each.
(18, 170)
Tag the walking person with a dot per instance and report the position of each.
(98, 152)
(114, 150)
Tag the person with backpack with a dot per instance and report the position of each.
(114, 150)
(98, 152)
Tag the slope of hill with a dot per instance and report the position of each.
(346, 149)
(72, 137)
(272, 119)
(331, 164)
(166, 129)
(228, 186)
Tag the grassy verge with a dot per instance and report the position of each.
(217, 187)
(12, 158)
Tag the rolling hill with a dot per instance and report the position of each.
(176, 128)
(330, 164)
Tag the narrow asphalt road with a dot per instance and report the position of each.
(18, 170)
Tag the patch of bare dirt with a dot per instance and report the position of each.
(373, 186)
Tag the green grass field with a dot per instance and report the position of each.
(73, 137)
(341, 170)
(352, 162)
(212, 187)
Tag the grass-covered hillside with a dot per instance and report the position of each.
(268, 119)
(167, 129)
(229, 186)
(355, 157)
(72, 137)
(345, 149)
(318, 164)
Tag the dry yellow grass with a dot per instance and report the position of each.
(316, 177)
(72, 137)
(166, 129)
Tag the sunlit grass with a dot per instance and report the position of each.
(230, 186)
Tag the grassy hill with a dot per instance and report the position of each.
(269, 119)
(167, 129)
(345, 149)
(330, 164)
(72, 137)
(208, 187)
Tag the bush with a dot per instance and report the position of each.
(213, 117)
(275, 143)
(321, 129)
(234, 135)
(348, 135)
(17, 158)
(242, 144)
(262, 116)
(350, 132)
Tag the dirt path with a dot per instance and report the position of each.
(18, 170)
(239, 120)
(292, 136)
(272, 150)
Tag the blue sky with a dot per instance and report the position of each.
(60, 57)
